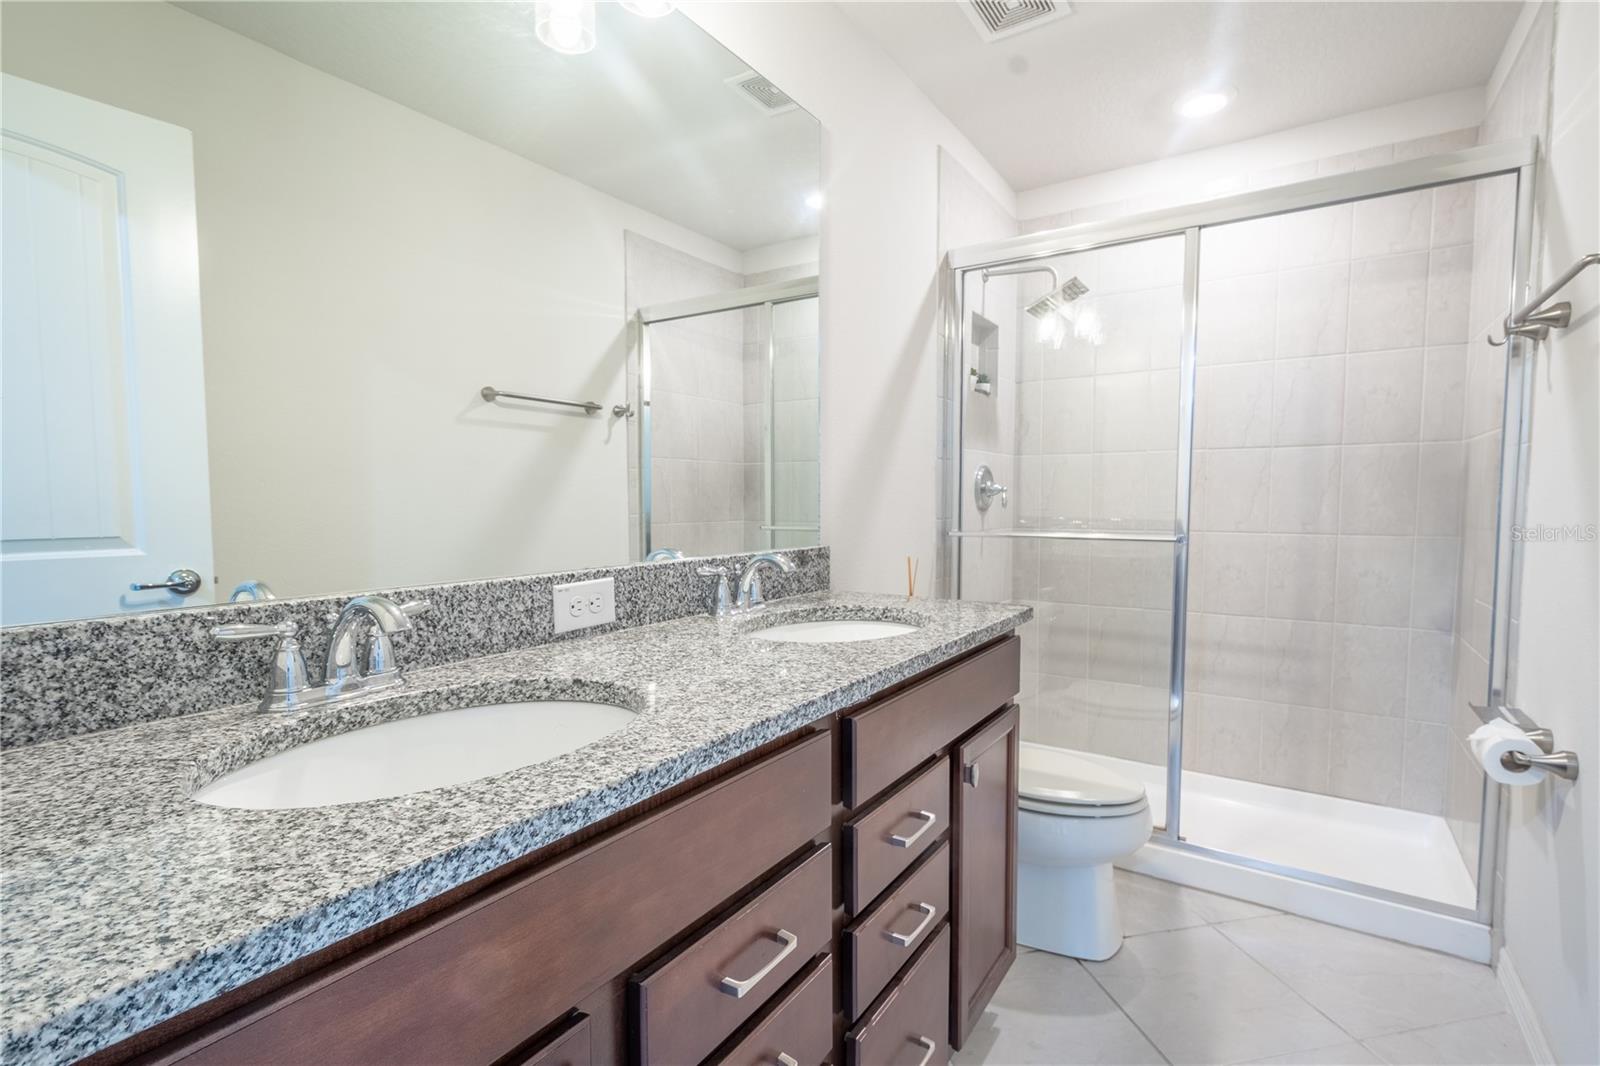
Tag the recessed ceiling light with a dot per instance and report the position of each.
(565, 26)
(1206, 102)
(814, 201)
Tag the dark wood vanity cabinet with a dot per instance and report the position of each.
(845, 894)
(985, 836)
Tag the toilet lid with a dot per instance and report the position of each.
(1051, 775)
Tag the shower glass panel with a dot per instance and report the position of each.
(1346, 468)
(728, 433)
(1071, 398)
(788, 485)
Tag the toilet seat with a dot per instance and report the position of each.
(1056, 782)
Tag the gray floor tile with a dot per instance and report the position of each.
(1491, 1041)
(1368, 985)
(1049, 1012)
(1351, 1054)
(1150, 905)
(1202, 1000)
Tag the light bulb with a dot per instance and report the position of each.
(814, 201)
(650, 9)
(565, 26)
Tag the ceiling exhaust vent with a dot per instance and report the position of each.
(761, 93)
(996, 19)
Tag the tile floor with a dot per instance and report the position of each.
(1208, 979)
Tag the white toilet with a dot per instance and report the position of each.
(1075, 818)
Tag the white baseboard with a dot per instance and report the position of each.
(1522, 1010)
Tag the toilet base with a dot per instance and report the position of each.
(1069, 910)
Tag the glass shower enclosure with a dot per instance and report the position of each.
(1260, 466)
(726, 452)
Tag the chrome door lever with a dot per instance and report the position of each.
(183, 581)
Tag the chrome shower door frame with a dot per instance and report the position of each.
(1513, 158)
(762, 296)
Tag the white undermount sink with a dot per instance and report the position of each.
(833, 631)
(415, 754)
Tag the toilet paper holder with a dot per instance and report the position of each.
(1561, 763)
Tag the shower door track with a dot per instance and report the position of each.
(1513, 158)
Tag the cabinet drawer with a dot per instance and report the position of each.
(470, 984)
(889, 934)
(910, 1024)
(798, 1026)
(689, 1002)
(881, 843)
(567, 1046)
(883, 742)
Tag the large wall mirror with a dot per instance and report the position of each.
(263, 260)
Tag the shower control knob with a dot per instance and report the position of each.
(985, 488)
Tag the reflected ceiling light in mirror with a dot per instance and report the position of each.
(565, 26)
(650, 9)
(814, 201)
(1203, 103)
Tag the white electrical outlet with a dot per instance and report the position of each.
(585, 603)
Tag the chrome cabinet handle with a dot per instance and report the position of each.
(929, 1047)
(905, 940)
(785, 1059)
(183, 581)
(969, 774)
(737, 989)
(928, 818)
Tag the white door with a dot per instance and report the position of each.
(103, 478)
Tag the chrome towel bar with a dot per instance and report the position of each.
(1534, 319)
(490, 394)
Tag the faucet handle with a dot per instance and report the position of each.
(412, 608)
(722, 599)
(288, 688)
(250, 630)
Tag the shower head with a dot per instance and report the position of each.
(1057, 298)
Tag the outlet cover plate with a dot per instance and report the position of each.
(583, 604)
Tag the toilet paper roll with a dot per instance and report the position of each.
(1492, 740)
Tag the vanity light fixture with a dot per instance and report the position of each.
(1204, 103)
(565, 26)
(650, 9)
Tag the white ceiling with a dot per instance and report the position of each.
(644, 117)
(1094, 91)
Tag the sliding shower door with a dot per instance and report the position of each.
(1073, 401)
(726, 442)
(1346, 478)
(1254, 463)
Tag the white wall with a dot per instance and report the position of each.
(1552, 857)
(879, 267)
(364, 271)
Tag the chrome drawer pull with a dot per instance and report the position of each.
(928, 818)
(737, 988)
(930, 1046)
(905, 940)
(787, 1060)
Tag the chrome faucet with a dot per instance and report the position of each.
(750, 598)
(347, 673)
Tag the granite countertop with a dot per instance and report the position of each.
(126, 902)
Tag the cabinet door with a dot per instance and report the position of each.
(984, 797)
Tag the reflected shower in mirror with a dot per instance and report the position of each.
(263, 261)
